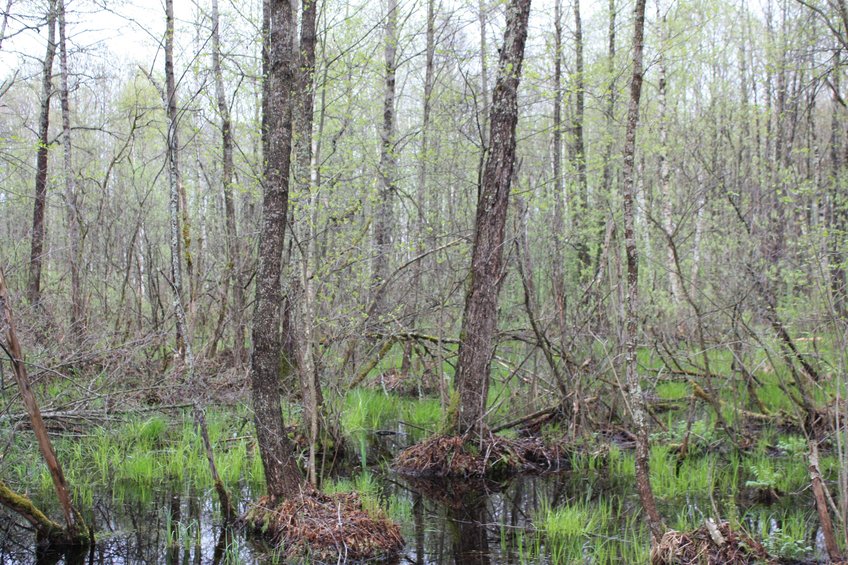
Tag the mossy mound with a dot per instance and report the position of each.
(711, 544)
(492, 456)
(325, 527)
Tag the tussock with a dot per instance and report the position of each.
(455, 456)
(703, 547)
(325, 527)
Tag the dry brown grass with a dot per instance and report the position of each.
(455, 456)
(699, 547)
(325, 527)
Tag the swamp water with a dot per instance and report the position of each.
(585, 513)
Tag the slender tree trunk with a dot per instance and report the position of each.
(579, 153)
(667, 206)
(281, 473)
(40, 202)
(234, 255)
(388, 168)
(303, 120)
(75, 531)
(421, 237)
(634, 395)
(184, 345)
(174, 181)
(479, 322)
(558, 268)
(71, 201)
(838, 280)
(483, 115)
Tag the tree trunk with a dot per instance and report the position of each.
(558, 268)
(39, 205)
(420, 236)
(233, 244)
(388, 166)
(665, 173)
(579, 153)
(479, 322)
(281, 473)
(633, 387)
(303, 119)
(75, 531)
(174, 181)
(71, 201)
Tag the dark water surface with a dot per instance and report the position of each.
(463, 522)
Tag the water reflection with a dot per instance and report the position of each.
(470, 543)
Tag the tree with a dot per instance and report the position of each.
(71, 200)
(282, 476)
(388, 166)
(75, 532)
(479, 321)
(233, 245)
(634, 394)
(40, 201)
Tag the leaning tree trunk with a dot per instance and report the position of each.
(479, 322)
(40, 202)
(281, 473)
(633, 387)
(75, 532)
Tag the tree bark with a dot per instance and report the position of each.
(71, 201)
(234, 255)
(665, 172)
(558, 267)
(579, 153)
(40, 202)
(281, 473)
(634, 395)
(305, 307)
(174, 181)
(479, 322)
(388, 166)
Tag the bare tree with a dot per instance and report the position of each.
(71, 200)
(234, 255)
(282, 476)
(40, 201)
(479, 321)
(635, 399)
(388, 166)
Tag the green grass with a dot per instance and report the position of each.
(693, 476)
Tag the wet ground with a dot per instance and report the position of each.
(461, 522)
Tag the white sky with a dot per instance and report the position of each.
(126, 33)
